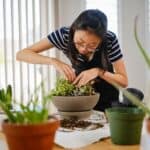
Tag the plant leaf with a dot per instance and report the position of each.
(133, 99)
(142, 50)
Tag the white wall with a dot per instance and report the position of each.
(69, 10)
(135, 64)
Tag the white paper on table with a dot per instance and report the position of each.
(3, 145)
(79, 139)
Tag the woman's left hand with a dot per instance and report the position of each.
(85, 76)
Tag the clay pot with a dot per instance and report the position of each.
(148, 125)
(75, 103)
(30, 137)
(75, 106)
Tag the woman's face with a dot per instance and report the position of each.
(86, 42)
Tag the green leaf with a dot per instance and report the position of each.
(9, 90)
(9, 114)
(133, 99)
(3, 97)
(0, 94)
(142, 50)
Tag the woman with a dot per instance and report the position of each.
(93, 52)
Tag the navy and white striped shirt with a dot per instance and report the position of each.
(60, 39)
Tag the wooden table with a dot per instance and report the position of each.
(101, 145)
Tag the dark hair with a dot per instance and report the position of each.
(92, 20)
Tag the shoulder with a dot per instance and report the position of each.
(111, 36)
(60, 37)
(64, 30)
(111, 39)
(113, 47)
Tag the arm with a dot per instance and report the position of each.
(119, 77)
(31, 55)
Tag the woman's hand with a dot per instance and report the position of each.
(63, 68)
(86, 76)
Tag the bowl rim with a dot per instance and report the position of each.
(96, 94)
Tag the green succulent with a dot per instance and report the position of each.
(63, 88)
(66, 88)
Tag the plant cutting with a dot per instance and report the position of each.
(72, 101)
(31, 127)
(128, 128)
(6, 96)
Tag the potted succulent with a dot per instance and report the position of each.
(72, 101)
(126, 123)
(30, 128)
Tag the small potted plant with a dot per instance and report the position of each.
(30, 128)
(72, 101)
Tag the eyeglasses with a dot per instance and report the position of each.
(87, 47)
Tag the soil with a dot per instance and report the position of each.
(74, 123)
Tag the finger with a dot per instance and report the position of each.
(71, 73)
(64, 74)
(67, 73)
(82, 82)
(79, 77)
(74, 74)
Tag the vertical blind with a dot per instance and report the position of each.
(24, 22)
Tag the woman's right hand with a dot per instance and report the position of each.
(63, 68)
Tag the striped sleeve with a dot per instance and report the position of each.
(59, 38)
(114, 52)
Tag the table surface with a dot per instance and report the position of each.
(101, 145)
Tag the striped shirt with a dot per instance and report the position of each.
(60, 39)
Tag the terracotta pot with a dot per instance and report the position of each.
(148, 124)
(30, 137)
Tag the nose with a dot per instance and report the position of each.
(83, 49)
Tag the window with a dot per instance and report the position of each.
(109, 7)
(23, 22)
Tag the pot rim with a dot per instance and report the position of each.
(125, 110)
(96, 94)
(51, 119)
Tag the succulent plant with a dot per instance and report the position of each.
(66, 88)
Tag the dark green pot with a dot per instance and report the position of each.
(125, 125)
